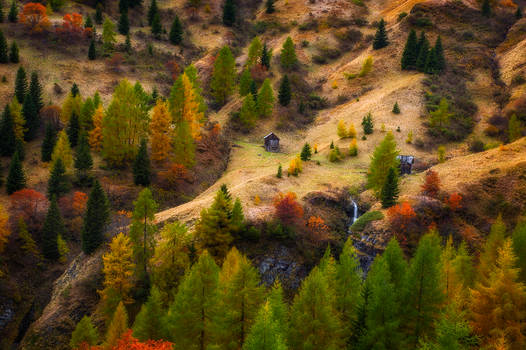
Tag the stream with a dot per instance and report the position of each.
(366, 253)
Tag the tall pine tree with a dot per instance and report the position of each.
(380, 38)
(53, 227)
(4, 57)
(410, 54)
(390, 189)
(223, 76)
(95, 219)
(284, 93)
(16, 178)
(21, 84)
(229, 13)
(83, 160)
(141, 166)
(7, 133)
(58, 183)
(176, 31)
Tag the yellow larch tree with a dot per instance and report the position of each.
(20, 122)
(161, 132)
(95, 135)
(191, 105)
(4, 228)
(62, 150)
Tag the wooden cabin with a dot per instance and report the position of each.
(271, 142)
(406, 164)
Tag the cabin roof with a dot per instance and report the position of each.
(406, 159)
(271, 135)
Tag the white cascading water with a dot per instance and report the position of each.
(355, 212)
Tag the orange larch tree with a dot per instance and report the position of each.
(95, 135)
(34, 16)
(431, 186)
(161, 132)
(288, 210)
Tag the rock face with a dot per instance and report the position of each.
(74, 295)
(279, 264)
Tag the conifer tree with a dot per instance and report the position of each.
(279, 175)
(152, 11)
(50, 138)
(117, 327)
(95, 135)
(254, 89)
(73, 130)
(423, 53)
(314, 323)
(92, 51)
(176, 31)
(519, 248)
(58, 183)
(244, 82)
(497, 305)
(143, 228)
(185, 101)
(53, 227)
(84, 333)
(248, 113)
(157, 27)
(288, 54)
(89, 22)
(35, 90)
(190, 318)
(21, 84)
(266, 55)
(254, 52)
(95, 219)
(7, 133)
(241, 297)
(394, 256)
(75, 91)
(425, 293)
(213, 229)
(20, 148)
(30, 114)
(265, 99)
(265, 334)
(2, 15)
(489, 253)
(380, 38)
(359, 325)
(269, 6)
(86, 114)
(237, 218)
(486, 8)
(514, 128)
(383, 320)
(390, 189)
(383, 159)
(62, 150)
(367, 124)
(4, 57)
(98, 13)
(161, 134)
(184, 145)
(124, 5)
(141, 166)
(13, 12)
(229, 13)
(223, 76)
(128, 45)
(396, 108)
(148, 323)
(108, 35)
(124, 23)
(284, 94)
(348, 282)
(518, 13)
(431, 62)
(440, 60)
(13, 53)
(306, 152)
(410, 54)
(83, 159)
(16, 178)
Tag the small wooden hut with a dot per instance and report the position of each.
(406, 164)
(271, 142)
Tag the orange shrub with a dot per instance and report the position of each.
(34, 16)
(317, 231)
(174, 176)
(72, 26)
(401, 219)
(288, 210)
(29, 204)
(454, 201)
(431, 186)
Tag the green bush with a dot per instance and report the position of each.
(366, 218)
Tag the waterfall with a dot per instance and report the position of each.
(355, 211)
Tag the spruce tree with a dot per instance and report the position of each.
(35, 90)
(16, 178)
(149, 321)
(89, 22)
(157, 27)
(152, 11)
(306, 152)
(410, 54)
(439, 53)
(124, 6)
(21, 84)
(141, 166)
(128, 45)
(4, 57)
(288, 54)
(380, 38)
(92, 51)
(98, 14)
(73, 130)
(95, 219)
(124, 23)
(431, 62)
(13, 53)
(284, 94)
(518, 13)
(244, 82)
(269, 6)
(58, 183)
(83, 160)
(176, 31)
(486, 8)
(30, 114)
(279, 175)
(254, 89)
(53, 227)
(13, 12)
(229, 13)
(367, 124)
(396, 108)
(7, 133)
(50, 138)
(266, 55)
(84, 332)
(390, 189)
(20, 148)
(75, 91)
(423, 53)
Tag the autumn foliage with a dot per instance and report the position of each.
(30, 205)
(454, 201)
(72, 26)
(317, 231)
(128, 342)
(431, 186)
(401, 218)
(34, 16)
(288, 210)
(4, 228)
(174, 176)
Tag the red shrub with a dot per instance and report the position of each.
(401, 220)
(72, 26)
(454, 201)
(288, 210)
(29, 204)
(431, 186)
(115, 62)
(34, 16)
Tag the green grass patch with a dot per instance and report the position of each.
(366, 218)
